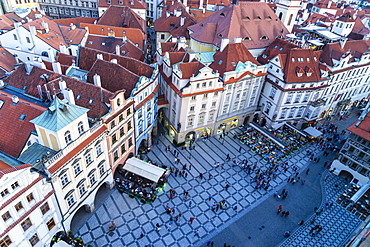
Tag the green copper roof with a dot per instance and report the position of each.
(205, 57)
(58, 115)
(34, 153)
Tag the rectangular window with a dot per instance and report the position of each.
(34, 239)
(121, 131)
(45, 208)
(298, 98)
(82, 189)
(92, 179)
(283, 113)
(204, 106)
(18, 206)
(191, 108)
(115, 156)
(214, 103)
(267, 109)
(77, 169)
(6, 216)
(129, 126)
(15, 37)
(193, 97)
(70, 200)
(88, 159)
(162, 36)
(190, 121)
(210, 84)
(120, 118)
(28, 39)
(292, 111)
(113, 124)
(211, 116)
(15, 185)
(205, 95)
(30, 198)
(114, 138)
(101, 169)
(215, 94)
(204, 84)
(50, 224)
(130, 142)
(300, 111)
(198, 85)
(4, 192)
(5, 242)
(98, 150)
(306, 96)
(123, 148)
(272, 93)
(64, 180)
(201, 119)
(26, 224)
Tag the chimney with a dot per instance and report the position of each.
(237, 40)
(329, 4)
(343, 42)
(99, 56)
(200, 4)
(63, 49)
(97, 80)
(17, 24)
(46, 26)
(173, 39)
(68, 95)
(62, 84)
(28, 19)
(51, 55)
(118, 50)
(204, 10)
(124, 38)
(185, 2)
(114, 61)
(224, 43)
(168, 14)
(355, 15)
(33, 30)
(182, 21)
(56, 67)
(187, 9)
(28, 67)
(73, 27)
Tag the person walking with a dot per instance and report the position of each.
(196, 233)
(286, 213)
(201, 175)
(227, 185)
(191, 220)
(307, 171)
(240, 149)
(158, 226)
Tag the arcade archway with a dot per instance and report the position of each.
(347, 176)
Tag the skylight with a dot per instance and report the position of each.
(220, 62)
(78, 97)
(91, 101)
(22, 117)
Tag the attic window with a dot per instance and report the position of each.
(131, 2)
(315, 58)
(281, 48)
(201, 24)
(25, 87)
(308, 59)
(299, 74)
(268, 18)
(78, 97)
(120, 2)
(102, 29)
(264, 56)
(91, 101)
(233, 64)
(222, 14)
(300, 59)
(90, 42)
(276, 46)
(103, 43)
(264, 37)
(22, 117)
(219, 35)
(247, 38)
(220, 62)
(308, 74)
(1, 103)
(257, 18)
(4, 54)
(246, 18)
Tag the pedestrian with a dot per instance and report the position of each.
(158, 226)
(282, 213)
(209, 176)
(301, 222)
(190, 203)
(235, 208)
(201, 175)
(196, 233)
(209, 197)
(173, 211)
(287, 234)
(240, 149)
(141, 234)
(227, 185)
(276, 193)
(190, 166)
(307, 171)
(303, 182)
(286, 213)
(191, 220)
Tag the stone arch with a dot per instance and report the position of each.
(255, 118)
(80, 217)
(246, 120)
(346, 175)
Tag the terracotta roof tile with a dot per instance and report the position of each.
(54, 37)
(111, 75)
(7, 60)
(14, 138)
(6, 23)
(323, 4)
(363, 127)
(121, 16)
(190, 69)
(133, 4)
(73, 35)
(76, 21)
(167, 47)
(176, 57)
(228, 59)
(82, 90)
(246, 20)
(34, 14)
(279, 46)
(88, 57)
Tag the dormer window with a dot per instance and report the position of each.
(268, 18)
(308, 59)
(264, 56)
(293, 60)
(102, 29)
(247, 38)
(201, 24)
(246, 18)
(222, 14)
(264, 37)
(219, 35)
(276, 46)
(281, 48)
(257, 18)
(120, 2)
(308, 74)
(300, 59)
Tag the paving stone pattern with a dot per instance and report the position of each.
(133, 217)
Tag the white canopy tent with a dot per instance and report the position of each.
(61, 244)
(313, 132)
(144, 169)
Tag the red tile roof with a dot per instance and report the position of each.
(133, 4)
(121, 16)
(4, 166)
(13, 131)
(6, 23)
(252, 20)
(108, 44)
(88, 57)
(133, 34)
(176, 57)
(301, 60)
(73, 35)
(363, 127)
(334, 50)
(76, 21)
(54, 37)
(87, 91)
(279, 46)
(112, 81)
(190, 69)
(7, 60)
(167, 46)
(33, 13)
(228, 59)
(323, 4)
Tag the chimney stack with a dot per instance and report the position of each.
(97, 80)
(237, 40)
(68, 95)
(182, 21)
(46, 26)
(33, 30)
(63, 49)
(56, 67)
(118, 50)
(224, 43)
(99, 56)
(114, 61)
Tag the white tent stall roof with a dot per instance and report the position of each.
(313, 132)
(144, 169)
(62, 244)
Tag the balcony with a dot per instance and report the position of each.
(317, 103)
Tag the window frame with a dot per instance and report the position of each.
(26, 224)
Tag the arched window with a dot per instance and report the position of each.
(290, 19)
(80, 127)
(281, 15)
(118, 102)
(44, 54)
(264, 37)
(67, 137)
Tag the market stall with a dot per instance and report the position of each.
(312, 132)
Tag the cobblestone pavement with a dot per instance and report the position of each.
(337, 222)
(133, 217)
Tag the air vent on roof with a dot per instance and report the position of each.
(222, 14)
(268, 18)
(4, 54)
(91, 101)
(257, 18)
(233, 64)
(15, 99)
